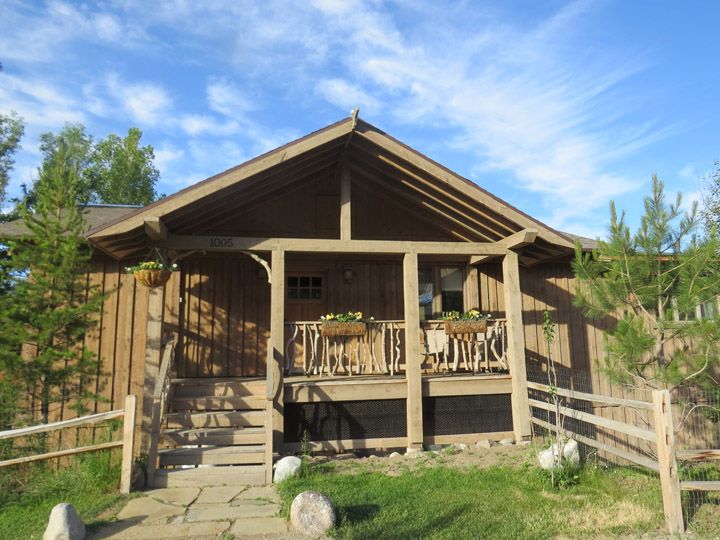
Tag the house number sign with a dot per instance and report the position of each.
(216, 242)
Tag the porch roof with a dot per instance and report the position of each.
(383, 164)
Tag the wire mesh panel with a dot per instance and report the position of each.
(697, 427)
(340, 420)
(456, 415)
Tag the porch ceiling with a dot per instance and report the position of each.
(377, 162)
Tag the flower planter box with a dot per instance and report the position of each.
(343, 329)
(152, 278)
(467, 326)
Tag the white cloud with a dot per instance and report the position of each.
(348, 96)
(146, 102)
(201, 124)
(226, 98)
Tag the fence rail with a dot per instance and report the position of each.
(665, 460)
(127, 442)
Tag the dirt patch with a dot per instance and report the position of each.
(509, 456)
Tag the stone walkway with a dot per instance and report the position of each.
(192, 512)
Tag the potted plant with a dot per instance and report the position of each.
(152, 273)
(343, 324)
(468, 322)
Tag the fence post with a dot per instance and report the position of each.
(128, 444)
(669, 480)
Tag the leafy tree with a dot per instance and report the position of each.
(651, 282)
(12, 129)
(45, 315)
(711, 198)
(121, 171)
(74, 147)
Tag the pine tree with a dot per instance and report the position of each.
(649, 284)
(45, 315)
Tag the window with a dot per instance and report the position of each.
(705, 311)
(305, 287)
(441, 290)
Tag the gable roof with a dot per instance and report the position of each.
(374, 157)
(96, 215)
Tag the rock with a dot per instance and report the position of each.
(312, 513)
(64, 524)
(507, 442)
(485, 443)
(523, 443)
(372, 456)
(570, 452)
(435, 447)
(394, 455)
(461, 447)
(287, 467)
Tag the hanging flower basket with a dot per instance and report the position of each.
(152, 278)
(467, 326)
(152, 273)
(343, 328)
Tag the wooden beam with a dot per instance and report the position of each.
(516, 346)
(326, 245)
(275, 360)
(345, 204)
(155, 229)
(412, 351)
(128, 444)
(520, 238)
(667, 463)
(153, 349)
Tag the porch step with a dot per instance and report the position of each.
(218, 455)
(252, 475)
(218, 387)
(214, 436)
(219, 403)
(215, 419)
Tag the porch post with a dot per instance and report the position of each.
(275, 363)
(412, 352)
(516, 346)
(153, 349)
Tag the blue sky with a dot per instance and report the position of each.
(556, 107)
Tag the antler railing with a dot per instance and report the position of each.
(380, 349)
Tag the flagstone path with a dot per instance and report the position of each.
(209, 512)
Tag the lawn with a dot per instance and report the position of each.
(439, 500)
(28, 494)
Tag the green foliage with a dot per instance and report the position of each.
(45, 315)
(498, 502)
(350, 316)
(114, 170)
(711, 198)
(121, 171)
(641, 281)
(151, 265)
(28, 493)
(12, 129)
(470, 315)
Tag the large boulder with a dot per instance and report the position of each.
(286, 468)
(64, 524)
(312, 513)
(548, 458)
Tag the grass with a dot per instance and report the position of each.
(27, 494)
(497, 502)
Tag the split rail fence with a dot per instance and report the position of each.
(653, 445)
(127, 442)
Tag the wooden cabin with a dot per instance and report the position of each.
(229, 355)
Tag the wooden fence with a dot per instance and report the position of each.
(127, 441)
(662, 436)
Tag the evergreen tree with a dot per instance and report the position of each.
(651, 283)
(711, 198)
(45, 315)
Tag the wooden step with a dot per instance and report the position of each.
(248, 475)
(214, 436)
(216, 419)
(219, 403)
(218, 387)
(214, 455)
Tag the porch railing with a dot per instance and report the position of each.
(381, 350)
